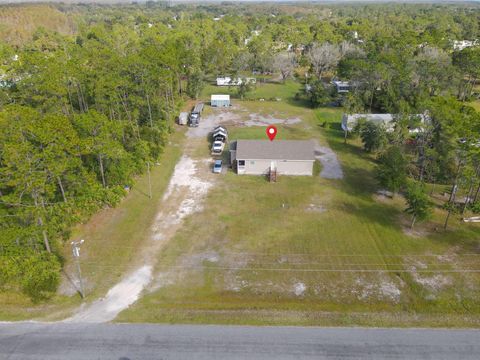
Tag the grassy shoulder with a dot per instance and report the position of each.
(112, 238)
(311, 251)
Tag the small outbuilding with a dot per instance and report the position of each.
(220, 100)
(283, 157)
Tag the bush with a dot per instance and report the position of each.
(40, 276)
(374, 136)
(391, 170)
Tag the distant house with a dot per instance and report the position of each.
(227, 81)
(388, 120)
(220, 100)
(223, 81)
(459, 45)
(342, 86)
(261, 157)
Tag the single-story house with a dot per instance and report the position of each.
(342, 86)
(220, 100)
(261, 157)
(388, 120)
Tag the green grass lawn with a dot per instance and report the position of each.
(476, 105)
(298, 251)
(112, 238)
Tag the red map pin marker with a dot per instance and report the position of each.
(271, 132)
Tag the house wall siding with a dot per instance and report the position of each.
(220, 103)
(288, 167)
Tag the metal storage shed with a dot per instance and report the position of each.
(220, 100)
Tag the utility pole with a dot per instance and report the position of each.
(76, 255)
(149, 180)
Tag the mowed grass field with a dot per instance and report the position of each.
(311, 251)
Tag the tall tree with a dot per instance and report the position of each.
(419, 205)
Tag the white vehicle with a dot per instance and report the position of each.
(217, 147)
(183, 118)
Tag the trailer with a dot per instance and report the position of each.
(198, 108)
(183, 118)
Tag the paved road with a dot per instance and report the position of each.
(139, 341)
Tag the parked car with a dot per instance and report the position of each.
(217, 166)
(217, 147)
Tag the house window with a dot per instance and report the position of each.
(241, 162)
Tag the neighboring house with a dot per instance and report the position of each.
(227, 81)
(459, 45)
(342, 86)
(388, 120)
(223, 81)
(220, 100)
(284, 157)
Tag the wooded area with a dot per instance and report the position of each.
(88, 97)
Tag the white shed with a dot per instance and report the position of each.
(220, 100)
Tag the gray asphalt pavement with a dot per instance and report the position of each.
(141, 341)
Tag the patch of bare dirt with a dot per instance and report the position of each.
(433, 282)
(260, 120)
(331, 168)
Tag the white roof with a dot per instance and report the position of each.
(349, 120)
(220, 97)
(341, 83)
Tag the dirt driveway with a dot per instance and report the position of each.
(188, 186)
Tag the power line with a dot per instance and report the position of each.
(298, 254)
(301, 270)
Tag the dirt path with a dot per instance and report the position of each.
(188, 186)
(331, 168)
